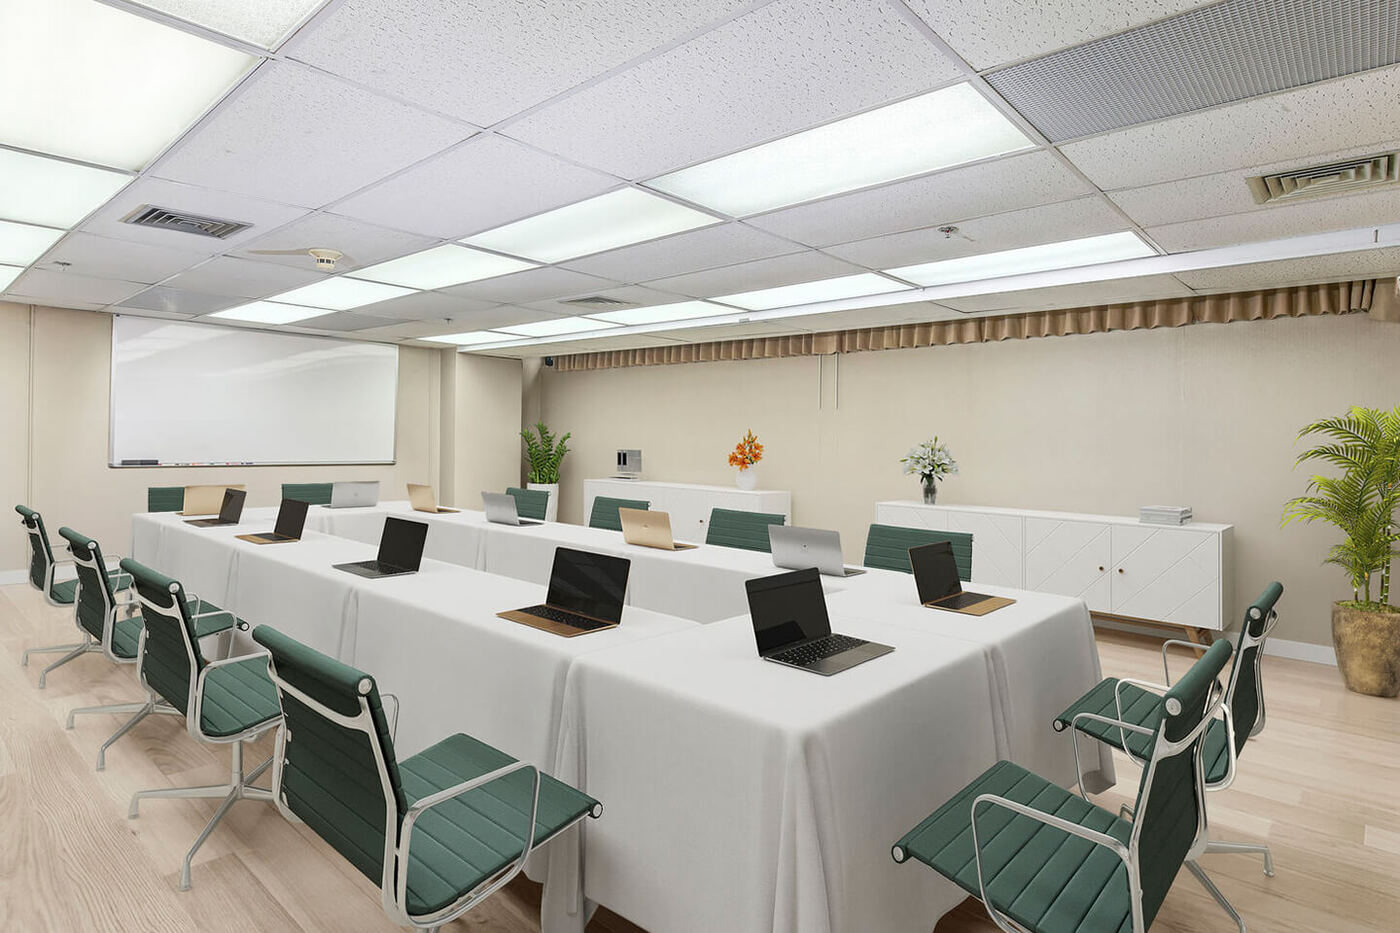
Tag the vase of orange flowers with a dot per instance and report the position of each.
(745, 456)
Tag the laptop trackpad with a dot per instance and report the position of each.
(850, 658)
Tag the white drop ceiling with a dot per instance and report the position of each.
(382, 129)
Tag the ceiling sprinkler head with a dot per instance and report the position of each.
(948, 231)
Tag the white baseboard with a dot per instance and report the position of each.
(13, 576)
(1274, 647)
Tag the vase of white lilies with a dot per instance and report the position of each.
(931, 461)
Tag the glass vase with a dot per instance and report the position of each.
(930, 490)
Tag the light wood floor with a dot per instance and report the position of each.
(1320, 786)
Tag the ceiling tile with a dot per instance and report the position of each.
(692, 251)
(262, 22)
(429, 306)
(993, 32)
(104, 257)
(363, 244)
(207, 202)
(1312, 216)
(1357, 111)
(916, 312)
(1143, 288)
(1360, 265)
(785, 67)
(532, 285)
(1048, 223)
(225, 275)
(42, 286)
(299, 137)
(483, 62)
(929, 201)
(732, 331)
(751, 276)
(400, 330)
(485, 182)
(634, 295)
(505, 316)
(344, 321)
(178, 302)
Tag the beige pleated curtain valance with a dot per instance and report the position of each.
(1376, 296)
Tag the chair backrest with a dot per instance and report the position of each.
(887, 547)
(530, 503)
(748, 530)
(96, 601)
(40, 553)
(1244, 692)
(1170, 810)
(334, 767)
(165, 498)
(605, 511)
(170, 656)
(310, 493)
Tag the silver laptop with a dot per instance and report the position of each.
(354, 495)
(799, 548)
(500, 508)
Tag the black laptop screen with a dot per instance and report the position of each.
(231, 510)
(589, 584)
(401, 544)
(291, 518)
(787, 608)
(935, 571)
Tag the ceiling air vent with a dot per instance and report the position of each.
(1352, 175)
(163, 218)
(597, 301)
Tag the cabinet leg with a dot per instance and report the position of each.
(1198, 636)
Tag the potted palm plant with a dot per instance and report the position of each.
(1364, 445)
(545, 453)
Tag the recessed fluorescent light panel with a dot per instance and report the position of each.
(21, 244)
(786, 296)
(470, 338)
(341, 294)
(608, 221)
(440, 267)
(263, 23)
(656, 314)
(8, 274)
(1067, 254)
(93, 82)
(949, 127)
(269, 312)
(556, 326)
(37, 190)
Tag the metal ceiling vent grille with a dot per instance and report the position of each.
(163, 218)
(1369, 172)
(598, 301)
(1206, 57)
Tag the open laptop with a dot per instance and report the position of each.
(797, 548)
(422, 499)
(291, 519)
(229, 512)
(400, 550)
(791, 626)
(500, 508)
(649, 529)
(204, 500)
(354, 495)
(936, 576)
(586, 591)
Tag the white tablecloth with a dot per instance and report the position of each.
(740, 795)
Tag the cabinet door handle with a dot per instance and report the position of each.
(1100, 568)
(1120, 569)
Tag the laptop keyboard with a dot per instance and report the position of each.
(377, 566)
(565, 618)
(961, 601)
(816, 650)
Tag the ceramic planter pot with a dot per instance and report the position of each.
(747, 478)
(551, 512)
(1368, 650)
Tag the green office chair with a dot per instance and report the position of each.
(62, 594)
(438, 832)
(747, 530)
(311, 493)
(1140, 703)
(110, 623)
(887, 547)
(1044, 861)
(530, 503)
(226, 702)
(605, 511)
(165, 498)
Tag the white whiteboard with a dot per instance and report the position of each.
(202, 394)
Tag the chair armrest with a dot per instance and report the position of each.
(1146, 685)
(393, 720)
(197, 708)
(1122, 742)
(1166, 672)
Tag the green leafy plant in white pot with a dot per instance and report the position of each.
(545, 452)
(1362, 501)
(931, 461)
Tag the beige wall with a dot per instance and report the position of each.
(1203, 416)
(481, 440)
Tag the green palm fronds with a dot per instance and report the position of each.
(1364, 444)
(545, 453)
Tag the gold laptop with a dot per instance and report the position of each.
(649, 528)
(422, 499)
(205, 500)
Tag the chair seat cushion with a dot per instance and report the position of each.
(238, 697)
(1143, 708)
(1041, 877)
(464, 841)
(126, 634)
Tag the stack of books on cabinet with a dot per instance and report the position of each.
(1164, 514)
